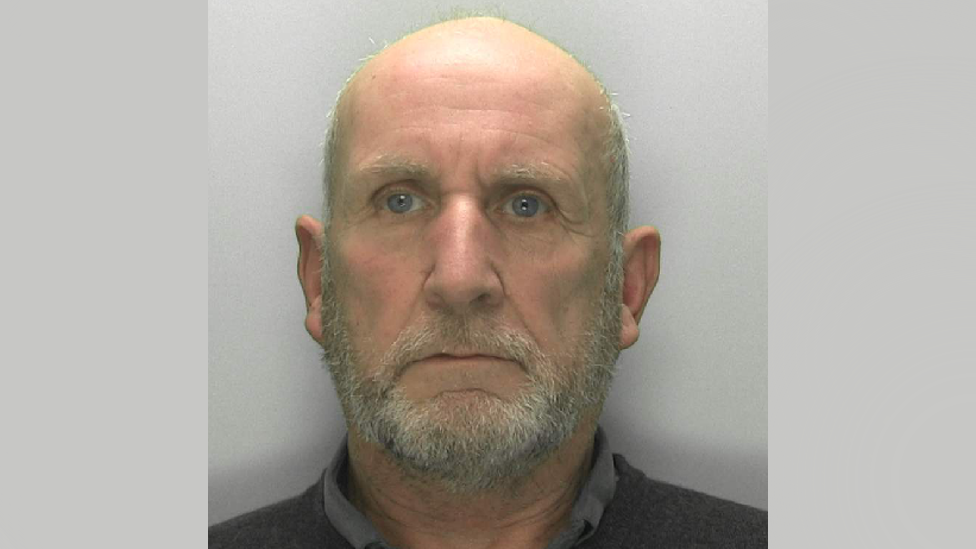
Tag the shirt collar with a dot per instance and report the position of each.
(596, 493)
(598, 489)
(348, 521)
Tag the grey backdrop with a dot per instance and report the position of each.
(689, 403)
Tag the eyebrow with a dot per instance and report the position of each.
(532, 173)
(395, 166)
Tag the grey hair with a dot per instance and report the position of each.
(617, 160)
(615, 149)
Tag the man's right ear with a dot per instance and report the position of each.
(309, 233)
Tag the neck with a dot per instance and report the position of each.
(411, 511)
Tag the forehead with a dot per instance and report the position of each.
(499, 78)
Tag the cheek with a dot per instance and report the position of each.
(558, 297)
(377, 290)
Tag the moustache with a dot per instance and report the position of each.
(461, 336)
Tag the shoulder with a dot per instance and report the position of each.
(296, 522)
(656, 513)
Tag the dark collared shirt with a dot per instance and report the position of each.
(593, 498)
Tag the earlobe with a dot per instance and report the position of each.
(309, 234)
(629, 330)
(642, 261)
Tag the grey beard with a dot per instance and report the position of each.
(481, 442)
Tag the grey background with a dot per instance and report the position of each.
(871, 309)
(689, 404)
(872, 323)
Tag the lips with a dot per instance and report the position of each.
(455, 357)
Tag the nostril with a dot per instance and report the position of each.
(462, 289)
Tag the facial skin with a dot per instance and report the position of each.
(466, 305)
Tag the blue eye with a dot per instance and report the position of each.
(402, 203)
(526, 205)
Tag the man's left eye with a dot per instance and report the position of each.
(525, 205)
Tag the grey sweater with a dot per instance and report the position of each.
(643, 513)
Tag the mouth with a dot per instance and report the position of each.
(461, 374)
(460, 357)
(466, 355)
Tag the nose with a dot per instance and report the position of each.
(464, 278)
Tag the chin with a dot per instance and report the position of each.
(467, 409)
(470, 440)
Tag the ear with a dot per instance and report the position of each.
(642, 265)
(309, 233)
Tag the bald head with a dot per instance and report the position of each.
(488, 48)
(486, 63)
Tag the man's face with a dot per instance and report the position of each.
(468, 317)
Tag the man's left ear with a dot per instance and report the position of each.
(642, 265)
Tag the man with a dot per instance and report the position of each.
(471, 285)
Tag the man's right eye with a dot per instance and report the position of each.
(403, 202)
